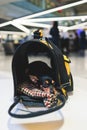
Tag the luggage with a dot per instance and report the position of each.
(42, 78)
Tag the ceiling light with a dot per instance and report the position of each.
(12, 32)
(54, 19)
(54, 9)
(21, 27)
(5, 24)
(27, 23)
(40, 14)
(81, 25)
(42, 25)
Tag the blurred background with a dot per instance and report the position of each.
(18, 20)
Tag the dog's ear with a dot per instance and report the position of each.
(33, 77)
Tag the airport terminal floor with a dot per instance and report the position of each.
(73, 116)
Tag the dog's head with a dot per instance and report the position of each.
(47, 83)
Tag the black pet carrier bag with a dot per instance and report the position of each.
(41, 79)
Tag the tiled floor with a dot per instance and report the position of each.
(73, 116)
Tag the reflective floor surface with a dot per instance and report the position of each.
(73, 116)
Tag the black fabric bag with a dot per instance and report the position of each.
(46, 92)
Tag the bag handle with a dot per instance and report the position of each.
(33, 114)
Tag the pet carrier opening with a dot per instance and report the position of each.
(40, 77)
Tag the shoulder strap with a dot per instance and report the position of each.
(33, 114)
(60, 63)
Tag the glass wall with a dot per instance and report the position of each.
(46, 4)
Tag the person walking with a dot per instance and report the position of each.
(82, 43)
(54, 32)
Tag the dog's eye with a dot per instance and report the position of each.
(53, 82)
(47, 82)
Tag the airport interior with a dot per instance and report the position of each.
(19, 20)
